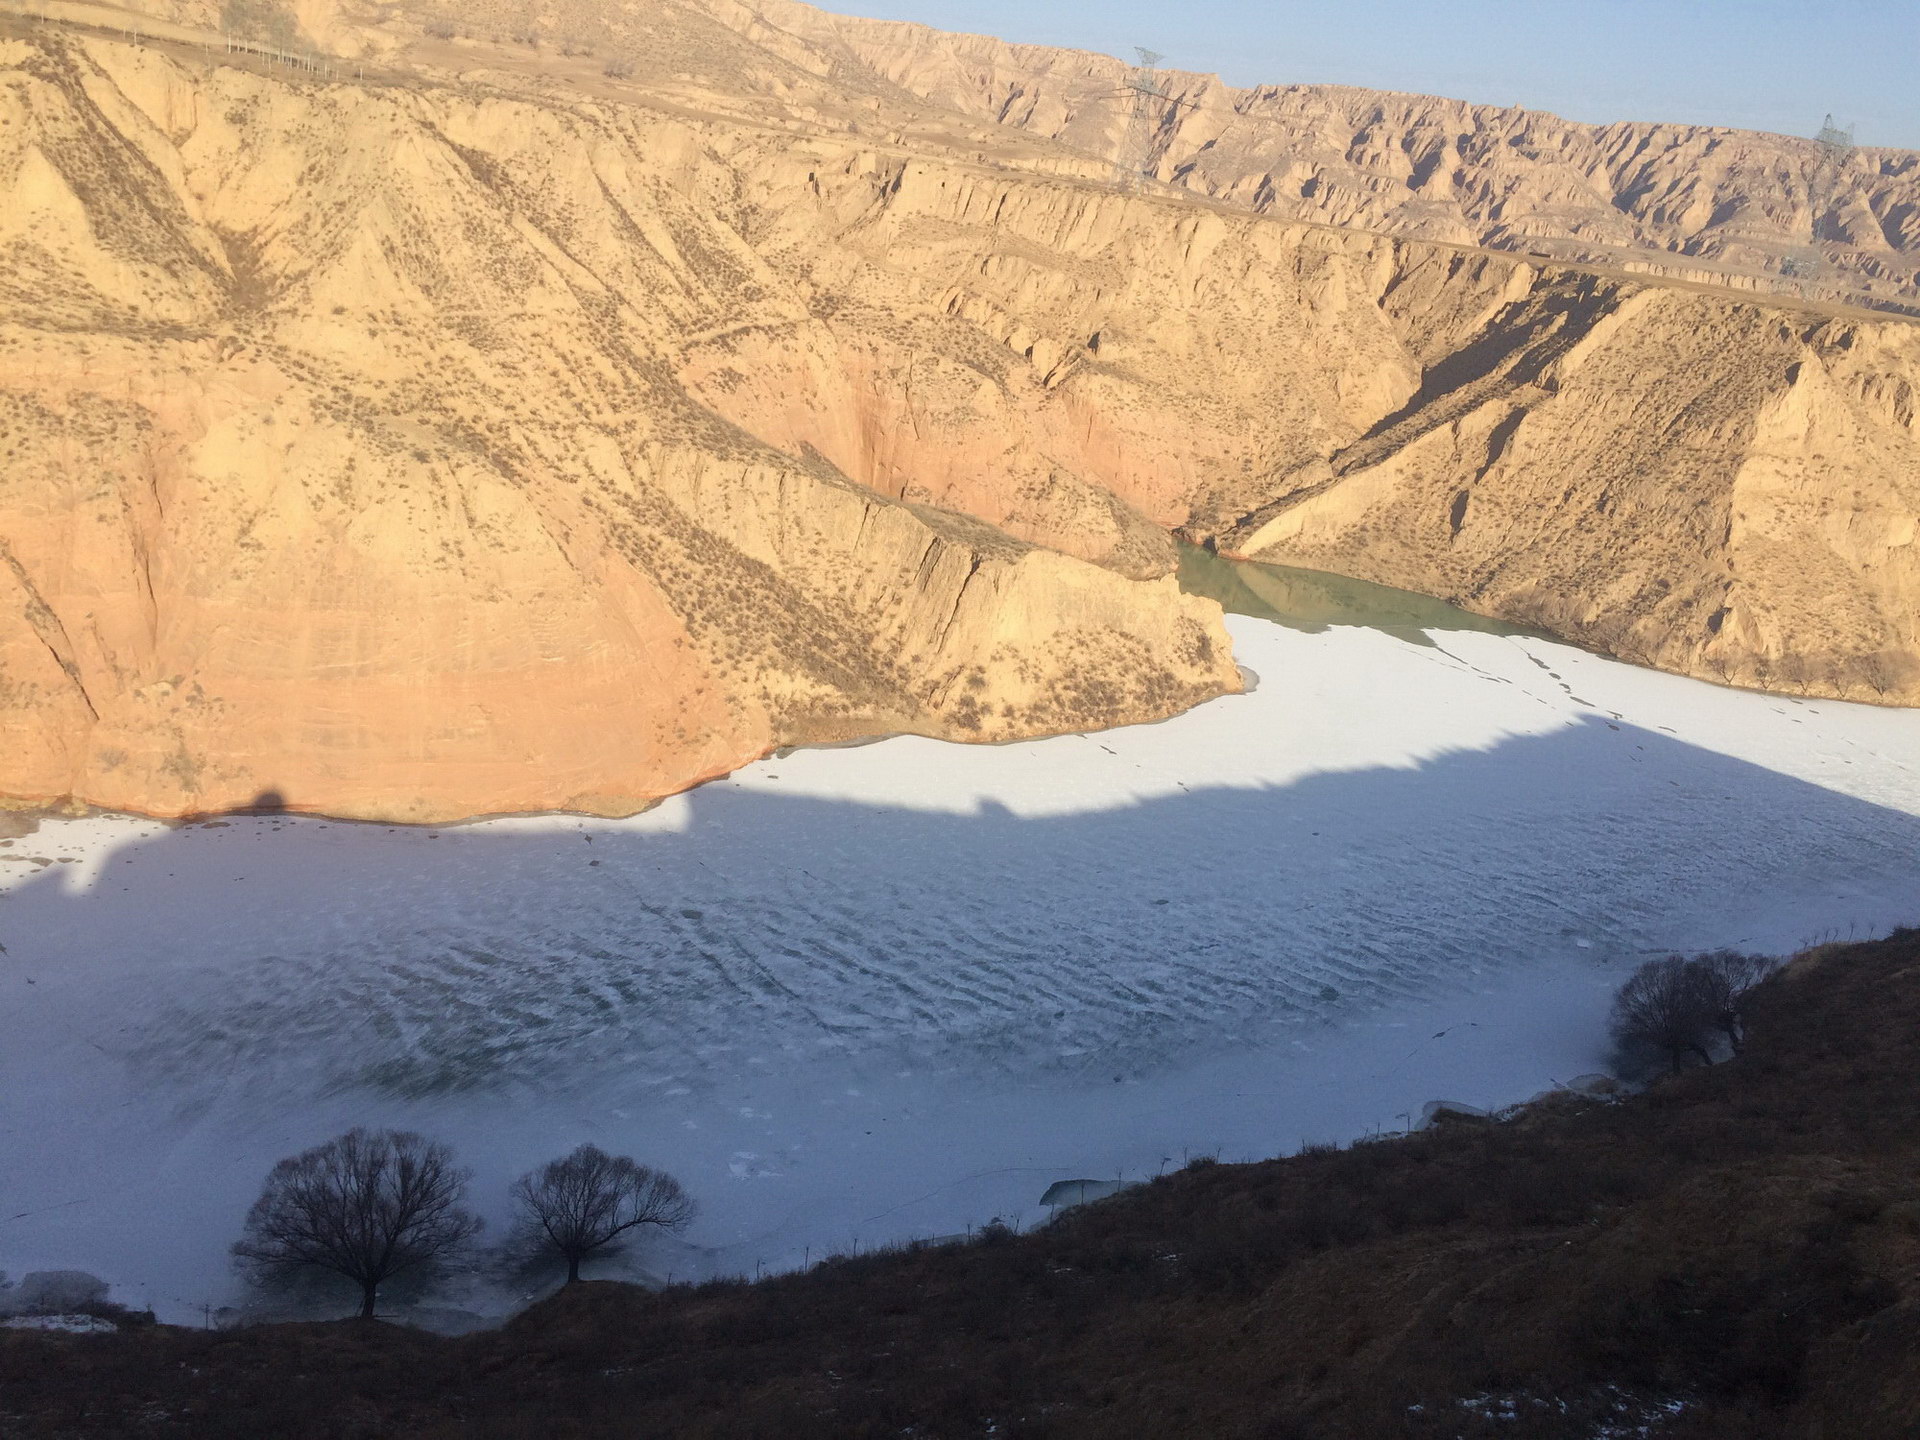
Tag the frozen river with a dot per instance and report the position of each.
(862, 995)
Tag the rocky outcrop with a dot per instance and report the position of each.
(1680, 479)
(1683, 477)
(1709, 203)
(348, 467)
(478, 419)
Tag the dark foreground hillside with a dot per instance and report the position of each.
(1735, 1253)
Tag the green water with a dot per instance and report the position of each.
(1313, 600)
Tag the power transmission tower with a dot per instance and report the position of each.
(1833, 139)
(1823, 189)
(1143, 87)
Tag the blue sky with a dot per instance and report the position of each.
(1757, 64)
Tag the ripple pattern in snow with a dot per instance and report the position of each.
(747, 980)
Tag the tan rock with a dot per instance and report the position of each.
(1682, 480)
(348, 466)
(1694, 202)
(468, 429)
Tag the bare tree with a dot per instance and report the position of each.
(585, 1201)
(1726, 978)
(1665, 1006)
(367, 1205)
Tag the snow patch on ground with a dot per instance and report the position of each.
(63, 1324)
(860, 995)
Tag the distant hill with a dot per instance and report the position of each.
(1732, 207)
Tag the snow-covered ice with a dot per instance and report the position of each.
(860, 995)
(63, 1324)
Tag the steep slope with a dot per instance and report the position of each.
(513, 418)
(1678, 479)
(346, 463)
(1678, 476)
(1728, 490)
(1698, 202)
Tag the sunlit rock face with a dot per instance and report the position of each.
(350, 464)
(473, 425)
(1729, 207)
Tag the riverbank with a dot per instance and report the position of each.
(860, 996)
(1731, 1254)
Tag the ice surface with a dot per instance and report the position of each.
(860, 995)
(64, 1324)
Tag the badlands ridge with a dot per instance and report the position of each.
(552, 407)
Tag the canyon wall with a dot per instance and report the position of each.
(478, 419)
(346, 464)
(1677, 475)
(1734, 207)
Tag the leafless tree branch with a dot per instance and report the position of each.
(583, 1202)
(366, 1205)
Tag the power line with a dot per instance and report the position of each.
(1823, 191)
(1142, 88)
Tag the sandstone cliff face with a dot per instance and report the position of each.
(1676, 475)
(346, 460)
(466, 428)
(1682, 480)
(1698, 202)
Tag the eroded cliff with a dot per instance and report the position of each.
(499, 418)
(1677, 475)
(1733, 207)
(346, 460)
